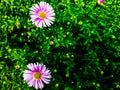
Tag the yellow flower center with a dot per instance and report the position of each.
(37, 75)
(42, 15)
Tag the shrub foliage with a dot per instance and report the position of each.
(81, 48)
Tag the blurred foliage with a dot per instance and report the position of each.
(81, 48)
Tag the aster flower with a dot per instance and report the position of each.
(100, 1)
(42, 14)
(37, 75)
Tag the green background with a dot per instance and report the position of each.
(85, 54)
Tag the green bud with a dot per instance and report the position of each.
(56, 85)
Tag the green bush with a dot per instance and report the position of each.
(81, 48)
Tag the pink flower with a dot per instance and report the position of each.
(42, 14)
(100, 1)
(37, 75)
